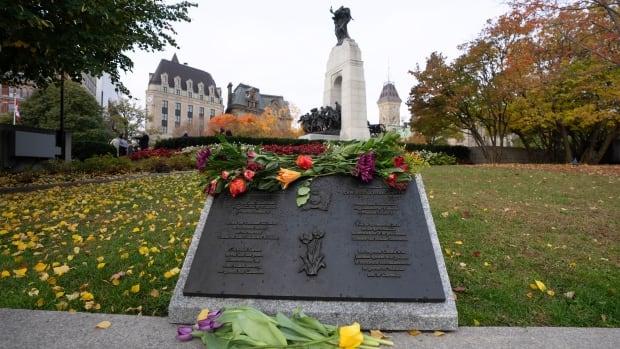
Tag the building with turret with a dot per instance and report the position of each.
(180, 99)
(246, 99)
(389, 105)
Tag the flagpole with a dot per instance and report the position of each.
(14, 102)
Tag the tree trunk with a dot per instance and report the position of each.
(568, 152)
(615, 133)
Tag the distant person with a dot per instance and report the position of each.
(116, 143)
(185, 134)
(123, 146)
(144, 141)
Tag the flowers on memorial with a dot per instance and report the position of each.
(240, 167)
(246, 327)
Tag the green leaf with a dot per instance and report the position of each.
(301, 200)
(303, 190)
(261, 331)
(312, 323)
(283, 321)
(211, 341)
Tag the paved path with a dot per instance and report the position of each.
(49, 329)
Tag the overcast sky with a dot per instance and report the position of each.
(282, 46)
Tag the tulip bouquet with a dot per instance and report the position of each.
(247, 327)
(240, 167)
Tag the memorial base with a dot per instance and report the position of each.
(375, 314)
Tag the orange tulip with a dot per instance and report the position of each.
(236, 187)
(287, 177)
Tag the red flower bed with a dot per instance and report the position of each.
(306, 149)
(147, 153)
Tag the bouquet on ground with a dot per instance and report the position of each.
(247, 327)
(242, 167)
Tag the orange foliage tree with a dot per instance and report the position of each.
(269, 124)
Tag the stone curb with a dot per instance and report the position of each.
(50, 329)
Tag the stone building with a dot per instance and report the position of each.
(10, 94)
(389, 105)
(180, 98)
(246, 99)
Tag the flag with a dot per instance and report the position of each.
(16, 115)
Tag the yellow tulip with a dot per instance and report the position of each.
(287, 177)
(350, 336)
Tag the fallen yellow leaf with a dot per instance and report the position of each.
(20, 273)
(73, 296)
(414, 332)
(438, 333)
(476, 322)
(103, 325)
(39, 267)
(61, 270)
(86, 296)
(377, 334)
(135, 288)
(540, 285)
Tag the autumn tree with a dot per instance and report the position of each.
(269, 124)
(125, 117)
(428, 101)
(471, 94)
(571, 103)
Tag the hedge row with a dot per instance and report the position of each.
(461, 153)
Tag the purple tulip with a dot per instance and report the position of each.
(209, 324)
(184, 333)
(365, 168)
(202, 158)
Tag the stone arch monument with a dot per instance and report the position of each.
(344, 80)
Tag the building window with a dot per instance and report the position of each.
(178, 92)
(201, 112)
(164, 129)
(177, 115)
(165, 90)
(190, 113)
(212, 99)
(164, 117)
(189, 94)
(212, 114)
(164, 107)
(202, 97)
(164, 80)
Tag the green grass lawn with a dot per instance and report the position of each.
(117, 247)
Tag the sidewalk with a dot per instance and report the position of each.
(48, 329)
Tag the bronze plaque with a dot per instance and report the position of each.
(351, 241)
